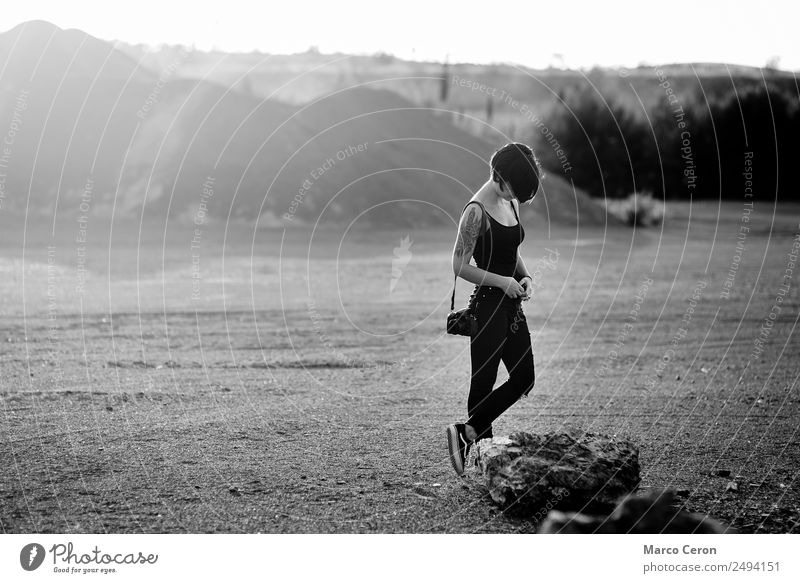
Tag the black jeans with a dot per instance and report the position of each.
(502, 334)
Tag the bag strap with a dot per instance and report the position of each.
(455, 277)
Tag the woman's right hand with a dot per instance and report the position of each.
(513, 288)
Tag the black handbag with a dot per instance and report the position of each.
(463, 322)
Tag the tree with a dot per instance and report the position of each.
(445, 83)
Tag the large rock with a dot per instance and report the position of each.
(651, 513)
(530, 474)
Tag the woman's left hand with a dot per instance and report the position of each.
(527, 285)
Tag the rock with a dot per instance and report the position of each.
(651, 513)
(527, 474)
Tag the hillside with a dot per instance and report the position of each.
(299, 78)
(99, 128)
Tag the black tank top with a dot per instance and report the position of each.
(496, 246)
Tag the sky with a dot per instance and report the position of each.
(578, 34)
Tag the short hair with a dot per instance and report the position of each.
(516, 164)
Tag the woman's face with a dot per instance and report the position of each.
(508, 194)
(530, 200)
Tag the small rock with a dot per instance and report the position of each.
(732, 487)
(652, 513)
(234, 490)
(436, 485)
(704, 370)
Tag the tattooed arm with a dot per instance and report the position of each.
(468, 231)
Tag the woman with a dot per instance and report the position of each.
(490, 231)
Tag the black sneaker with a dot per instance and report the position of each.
(458, 446)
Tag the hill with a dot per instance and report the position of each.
(99, 131)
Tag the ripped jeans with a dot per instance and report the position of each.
(502, 334)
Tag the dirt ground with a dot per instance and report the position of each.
(283, 383)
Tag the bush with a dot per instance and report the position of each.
(613, 152)
(637, 209)
(609, 148)
(762, 120)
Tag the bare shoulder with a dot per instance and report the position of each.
(474, 206)
(472, 217)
